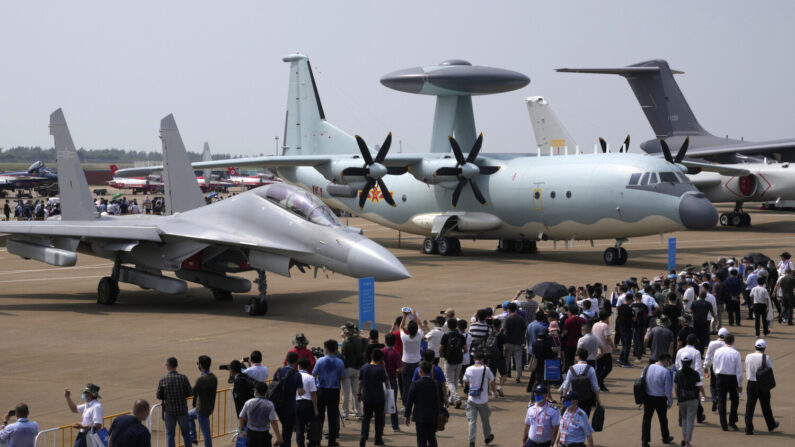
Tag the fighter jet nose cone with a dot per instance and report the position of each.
(370, 259)
(696, 212)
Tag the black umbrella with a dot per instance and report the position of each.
(758, 257)
(550, 290)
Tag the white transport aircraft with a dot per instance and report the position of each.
(449, 194)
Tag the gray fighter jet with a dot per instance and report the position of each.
(271, 228)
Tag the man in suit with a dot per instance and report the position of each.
(424, 401)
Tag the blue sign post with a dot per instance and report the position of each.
(367, 302)
(671, 253)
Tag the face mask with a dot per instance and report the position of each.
(83, 396)
(539, 398)
(567, 403)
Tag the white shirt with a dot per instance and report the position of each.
(476, 378)
(760, 295)
(594, 303)
(411, 347)
(783, 265)
(713, 303)
(257, 372)
(727, 361)
(309, 386)
(467, 359)
(434, 338)
(714, 345)
(92, 413)
(694, 354)
(688, 297)
(753, 363)
(650, 302)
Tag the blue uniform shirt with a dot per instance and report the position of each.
(575, 427)
(541, 419)
(328, 371)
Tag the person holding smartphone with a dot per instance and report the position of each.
(23, 432)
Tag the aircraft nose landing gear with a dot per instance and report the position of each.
(259, 305)
(616, 255)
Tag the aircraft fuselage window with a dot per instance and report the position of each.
(552, 195)
(669, 177)
(682, 177)
(568, 194)
(653, 178)
(645, 179)
(537, 195)
(635, 178)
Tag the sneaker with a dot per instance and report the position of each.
(670, 440)
(500, 392)
(490, 438)
(734, 427)
(471, 444)
(604, 388)
(627, 365)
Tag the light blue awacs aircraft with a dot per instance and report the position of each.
(268, 229)
(449, 194)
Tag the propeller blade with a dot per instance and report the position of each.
(368, 159)
(603, 143)
(357, 172)
(365, 192)
(478, 194)
(379, 158)
(385, 192)
(459, 156)
(473, 154)
(488, 170)
(446, 171)
(626, 145)
(666, 151)
(397, 170)
(457, 193)
(682, 151)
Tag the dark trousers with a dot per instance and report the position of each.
(287, 419)
(328, 401)
(304, 417)
(787, 310)
(426, 434)
(760, 313)
(604, 365)
(754, 394)
(406, 375)
(531, 443)
(727, 385)
(626, 344)
(569, 353)
(651, 405)
(637, 340)
(733, 309)
(369, 411)
(80, 440)
(713, 386)
(701, 329)
(258, 439)
(393, 383)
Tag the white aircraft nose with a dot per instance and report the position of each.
(370, 259)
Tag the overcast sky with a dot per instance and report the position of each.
(116, 68)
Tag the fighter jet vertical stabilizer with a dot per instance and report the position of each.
(181, 190)
(76, 201)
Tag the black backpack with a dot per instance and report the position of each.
(454, 353)
(491, 347)
(581, 384)
(639, 388)
(765, 380)
(277, 390)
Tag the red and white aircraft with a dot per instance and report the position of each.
(150, 183)
(251, 181)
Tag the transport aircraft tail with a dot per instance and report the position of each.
(549, 131)
(306, 131)
(76, 200)
(658, 94)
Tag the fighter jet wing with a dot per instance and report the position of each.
(275, 161)
(123, 229)
(721, 169)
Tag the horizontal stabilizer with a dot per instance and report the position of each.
(720, 169)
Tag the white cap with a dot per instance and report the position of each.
(722, 332)
(760, 344)
(687, 357)
(730, 262)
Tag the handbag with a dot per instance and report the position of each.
(765, 380)
(97, 438)
(533, 363)
(389, 401)
(443, 415)
(241, 441)
(598, 420)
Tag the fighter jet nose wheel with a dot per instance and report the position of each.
(615, 256)
(107, 291)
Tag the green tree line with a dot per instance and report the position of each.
(22, 154)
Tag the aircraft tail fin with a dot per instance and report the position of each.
(231, 171)
(658, 94)
(179, 182)
(306, 131)
(549, 131)
(207, 156)
(76, 200)
(113, 169)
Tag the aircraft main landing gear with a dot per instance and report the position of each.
(108, 287)
(259, 305)
(737, 218)
(616, 255)
(445, 246)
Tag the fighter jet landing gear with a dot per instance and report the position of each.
(616, 255)
(445, 246)
(517, 246)
(259, 305)
(737, 218)
(108, 288)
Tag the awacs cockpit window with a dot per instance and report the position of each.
(653, 178)
(645, 179)
(302, 203)
(634, 179)
(683, 177)
(669, 177)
